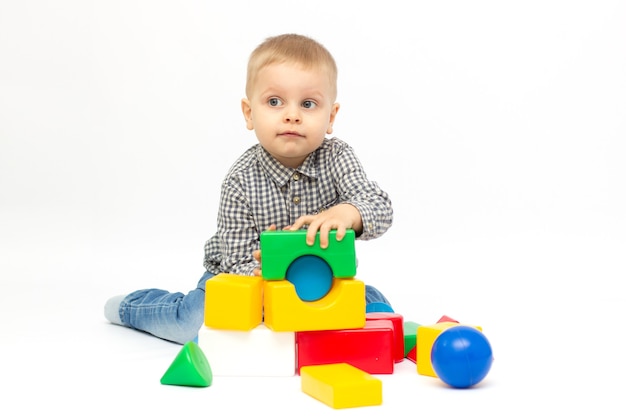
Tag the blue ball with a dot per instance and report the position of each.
(311, 276)
(461, 356)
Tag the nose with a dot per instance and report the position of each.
(292, 115)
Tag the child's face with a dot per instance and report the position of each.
(291, 110)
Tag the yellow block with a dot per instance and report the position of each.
(341, 385)
(426, 336)
(233, 302)
(342, 308)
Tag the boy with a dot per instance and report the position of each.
(295, 177)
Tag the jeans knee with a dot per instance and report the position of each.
(373, 295)
(187, 327)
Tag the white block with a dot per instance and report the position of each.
(259, 352)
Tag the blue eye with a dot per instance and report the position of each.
(274, 101)
(308, 104)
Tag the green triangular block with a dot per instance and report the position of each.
(189, 368)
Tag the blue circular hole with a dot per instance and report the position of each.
(311, 276)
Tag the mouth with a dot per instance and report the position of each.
(290, 134)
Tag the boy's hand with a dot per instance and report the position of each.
(257, 254)
(340, 217)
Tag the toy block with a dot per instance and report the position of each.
(281, 247)
(342, 308)
(255, 353)
(189, 368)
(341, 386)
(370, 348)
(412, 355)
(445, 318)
(233, 302)
(426, 336)
(410, 336)
(398, 331)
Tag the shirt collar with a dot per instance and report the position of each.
(281, 174)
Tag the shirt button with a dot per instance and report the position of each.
(296, 200)
(296, 176)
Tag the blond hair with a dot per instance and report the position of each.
(291, 48)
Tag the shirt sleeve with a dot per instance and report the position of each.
(354, 187)
(237, 232)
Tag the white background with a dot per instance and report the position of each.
(498, 129)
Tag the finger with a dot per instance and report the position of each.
(305, 220)
(296, 225)
(311, 233)
(324, 231)
(341, 233)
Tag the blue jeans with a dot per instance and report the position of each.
(178, 317)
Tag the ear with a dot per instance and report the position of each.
(333, 114)
(246, 109)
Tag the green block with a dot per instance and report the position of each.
(189, 368)
(279, 248)
(410, 336)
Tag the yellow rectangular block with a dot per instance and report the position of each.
(341, 385)
(233, 302)
(426, 336)
(342, 308)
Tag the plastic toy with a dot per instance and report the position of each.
(410, 336)
(412, 355)
(461, 356)
(341, 385)
(370, 348)
(445, 318)
(190, 368)
(233, 302)
(342, 308)
(426, 336)
(311, 276)
(255, 353)
(398, 331)
(282, 247)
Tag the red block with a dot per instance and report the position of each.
(370, 349)
(398, 331)
(445, 318)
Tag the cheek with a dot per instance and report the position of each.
(260, 124)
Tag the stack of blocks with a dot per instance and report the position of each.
(306, 315)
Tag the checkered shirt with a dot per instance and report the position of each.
(258, 191)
